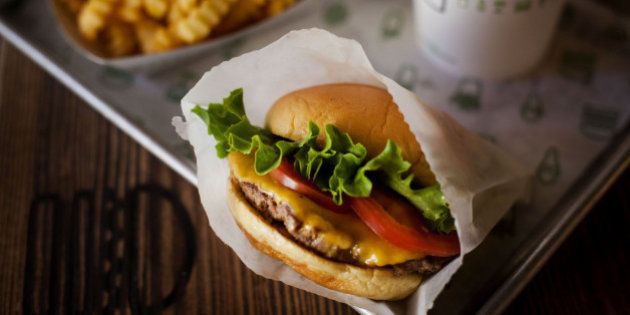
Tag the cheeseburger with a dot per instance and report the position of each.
(337, 187)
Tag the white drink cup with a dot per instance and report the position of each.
(493, 39)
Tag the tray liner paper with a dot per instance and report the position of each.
(479, 180)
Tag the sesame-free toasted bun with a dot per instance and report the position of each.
(373, 283)
(368, 114)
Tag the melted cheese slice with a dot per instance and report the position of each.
(344, 231)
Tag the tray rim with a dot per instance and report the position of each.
(579, 202)
(607, 167)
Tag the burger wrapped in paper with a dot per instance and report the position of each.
(329, 185)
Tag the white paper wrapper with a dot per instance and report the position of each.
(479, 180)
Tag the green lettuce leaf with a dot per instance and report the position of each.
(339, 167)
(228, 124)
(393, 171)
(332, 166)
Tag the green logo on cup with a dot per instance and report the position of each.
(392, 23)
(548, 170)
(578, 66)
(533, 108)
(407, 75)
(115, 78)
(467, 95)
(598, 123)
(177, 91)
(335, 14)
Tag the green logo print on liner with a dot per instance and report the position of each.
(522, 5)
(407, 76)
(467, 95)
(578, 66)
(548, 170)
(533, 108)
(177, 91)
(598, 123)
(115, 78)
(335, 13)
(499, 5)
(481, 5)
(392, 23)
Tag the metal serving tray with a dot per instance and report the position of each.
(568, 121)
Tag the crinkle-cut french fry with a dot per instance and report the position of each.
(93, 16)
(175, 14)
(153, 37)
(119, 38)
(276, 7)
(130, 11)
(185, 6)
(201, 20)
(126, 26)
(241, 13)
(156, 9)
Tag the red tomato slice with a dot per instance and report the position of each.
(286, 175)
(372, 213)
(417, 239)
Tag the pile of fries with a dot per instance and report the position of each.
(126, 27)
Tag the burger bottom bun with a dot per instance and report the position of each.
(373, 283)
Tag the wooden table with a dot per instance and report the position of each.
(89, 220)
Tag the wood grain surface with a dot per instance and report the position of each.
(92, 222)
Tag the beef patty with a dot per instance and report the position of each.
(281, 216)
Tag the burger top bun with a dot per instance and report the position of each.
(365, 112)
(373, 283)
